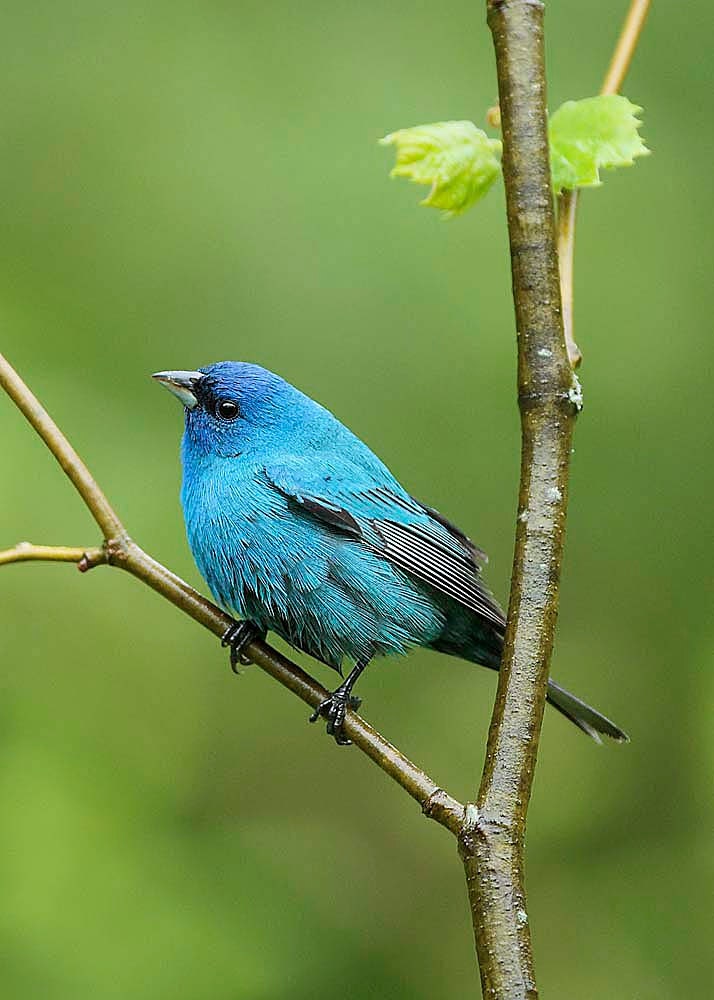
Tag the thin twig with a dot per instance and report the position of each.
(120, 551)
(626, 45)
(27, 552)
(568, 200)
(493, 838)
(567, 217)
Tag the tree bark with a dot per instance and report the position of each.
(548, 396)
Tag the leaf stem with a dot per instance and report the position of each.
(567, 217)
(568, 200)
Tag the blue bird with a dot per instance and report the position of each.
(298, 528)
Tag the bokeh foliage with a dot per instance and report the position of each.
(187, 182)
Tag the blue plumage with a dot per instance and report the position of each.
(298, 527)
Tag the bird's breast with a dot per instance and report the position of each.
(245, 541)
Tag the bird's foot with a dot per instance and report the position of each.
(334, 709)
(239, 636)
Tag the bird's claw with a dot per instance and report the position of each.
(334, 709)
(238, 636)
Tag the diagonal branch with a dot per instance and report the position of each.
(71, 463)
(119, 550)
(568, 200)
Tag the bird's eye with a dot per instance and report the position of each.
(226, 409)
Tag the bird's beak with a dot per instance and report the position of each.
(182, 385)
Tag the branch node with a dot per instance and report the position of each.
(481, 828)
(493, 116)
(565, 397)
(443, 808)
(470, 830)
(92, 558)
(117, 549)
(575, 394)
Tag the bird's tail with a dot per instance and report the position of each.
(584, 717)
(468, 637)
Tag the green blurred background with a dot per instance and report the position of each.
(183, 183)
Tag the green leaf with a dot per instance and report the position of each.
(460, 162)
(457, 159)
(590, 134)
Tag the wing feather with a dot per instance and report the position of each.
(416, 539)
(428, 560)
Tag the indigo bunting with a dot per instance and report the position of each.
(298, 528)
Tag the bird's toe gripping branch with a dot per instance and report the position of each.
(334, 709)
(238, 636)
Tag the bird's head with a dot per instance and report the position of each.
(233, 407)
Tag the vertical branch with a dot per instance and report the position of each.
(492, 842)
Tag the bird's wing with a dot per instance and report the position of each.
(414, 538)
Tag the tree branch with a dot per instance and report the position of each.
(568, 200)
(493, 837)
(26, 552)
(119, 550)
